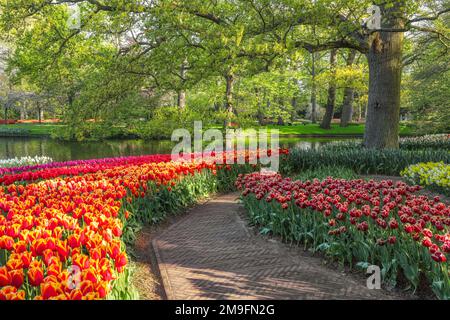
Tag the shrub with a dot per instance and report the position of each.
(434, 175)
(14, 132)
(362, 161)
(325, 172)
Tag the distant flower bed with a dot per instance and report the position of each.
(430, 141)
(431, 174)
(24, 161)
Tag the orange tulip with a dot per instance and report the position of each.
(81, 261)
(5, 277)
(38, 247)
(17, 278)
(114, 249)
(61, 296)
(74, 241)
(47, 255)
(102, 289)
(54, 269)
(6, 292)
(14, 263)
(87, 287)
(90, 275)
(20, 247)
(6, 243)
(121, 261)
(50, 289)
(35, 276)
(76, 295)
(63, 250)
(26, 258)
(91, 296)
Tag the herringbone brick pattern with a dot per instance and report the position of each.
(211, 255)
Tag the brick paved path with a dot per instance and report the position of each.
(210, 254)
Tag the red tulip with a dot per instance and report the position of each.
(438, 257)
(426, 242)
(121, 261)
(393, 224)
(74, 241)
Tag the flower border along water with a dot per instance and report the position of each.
(64, 237)
(22, 162)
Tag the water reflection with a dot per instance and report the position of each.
(64, 151)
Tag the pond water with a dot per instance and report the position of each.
(64, 151)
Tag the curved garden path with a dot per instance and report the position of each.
(211, 254)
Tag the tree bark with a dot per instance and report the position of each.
(229, 106)
(22, 110)
(349, 96)
(385, 73)
(331, 102)
(313, 90)
(41, 114)
(182, 92)
(181, 99)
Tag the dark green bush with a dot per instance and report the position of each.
(362, 161)
(13, 132)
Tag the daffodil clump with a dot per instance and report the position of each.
(430, 174)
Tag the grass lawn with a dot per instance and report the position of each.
(314, 129)
(30, 129)
(295, 130)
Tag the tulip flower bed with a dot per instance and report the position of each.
(357, 222)
(71, 168)
(435, 175)
(63, 236)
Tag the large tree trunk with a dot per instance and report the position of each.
(331, 103)
(347, 107)
(22, 110)
(385, 73)
(349, 92)
(181, 99)
(313, 90)
(40, 114)
(181, 92)
(229, 106)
